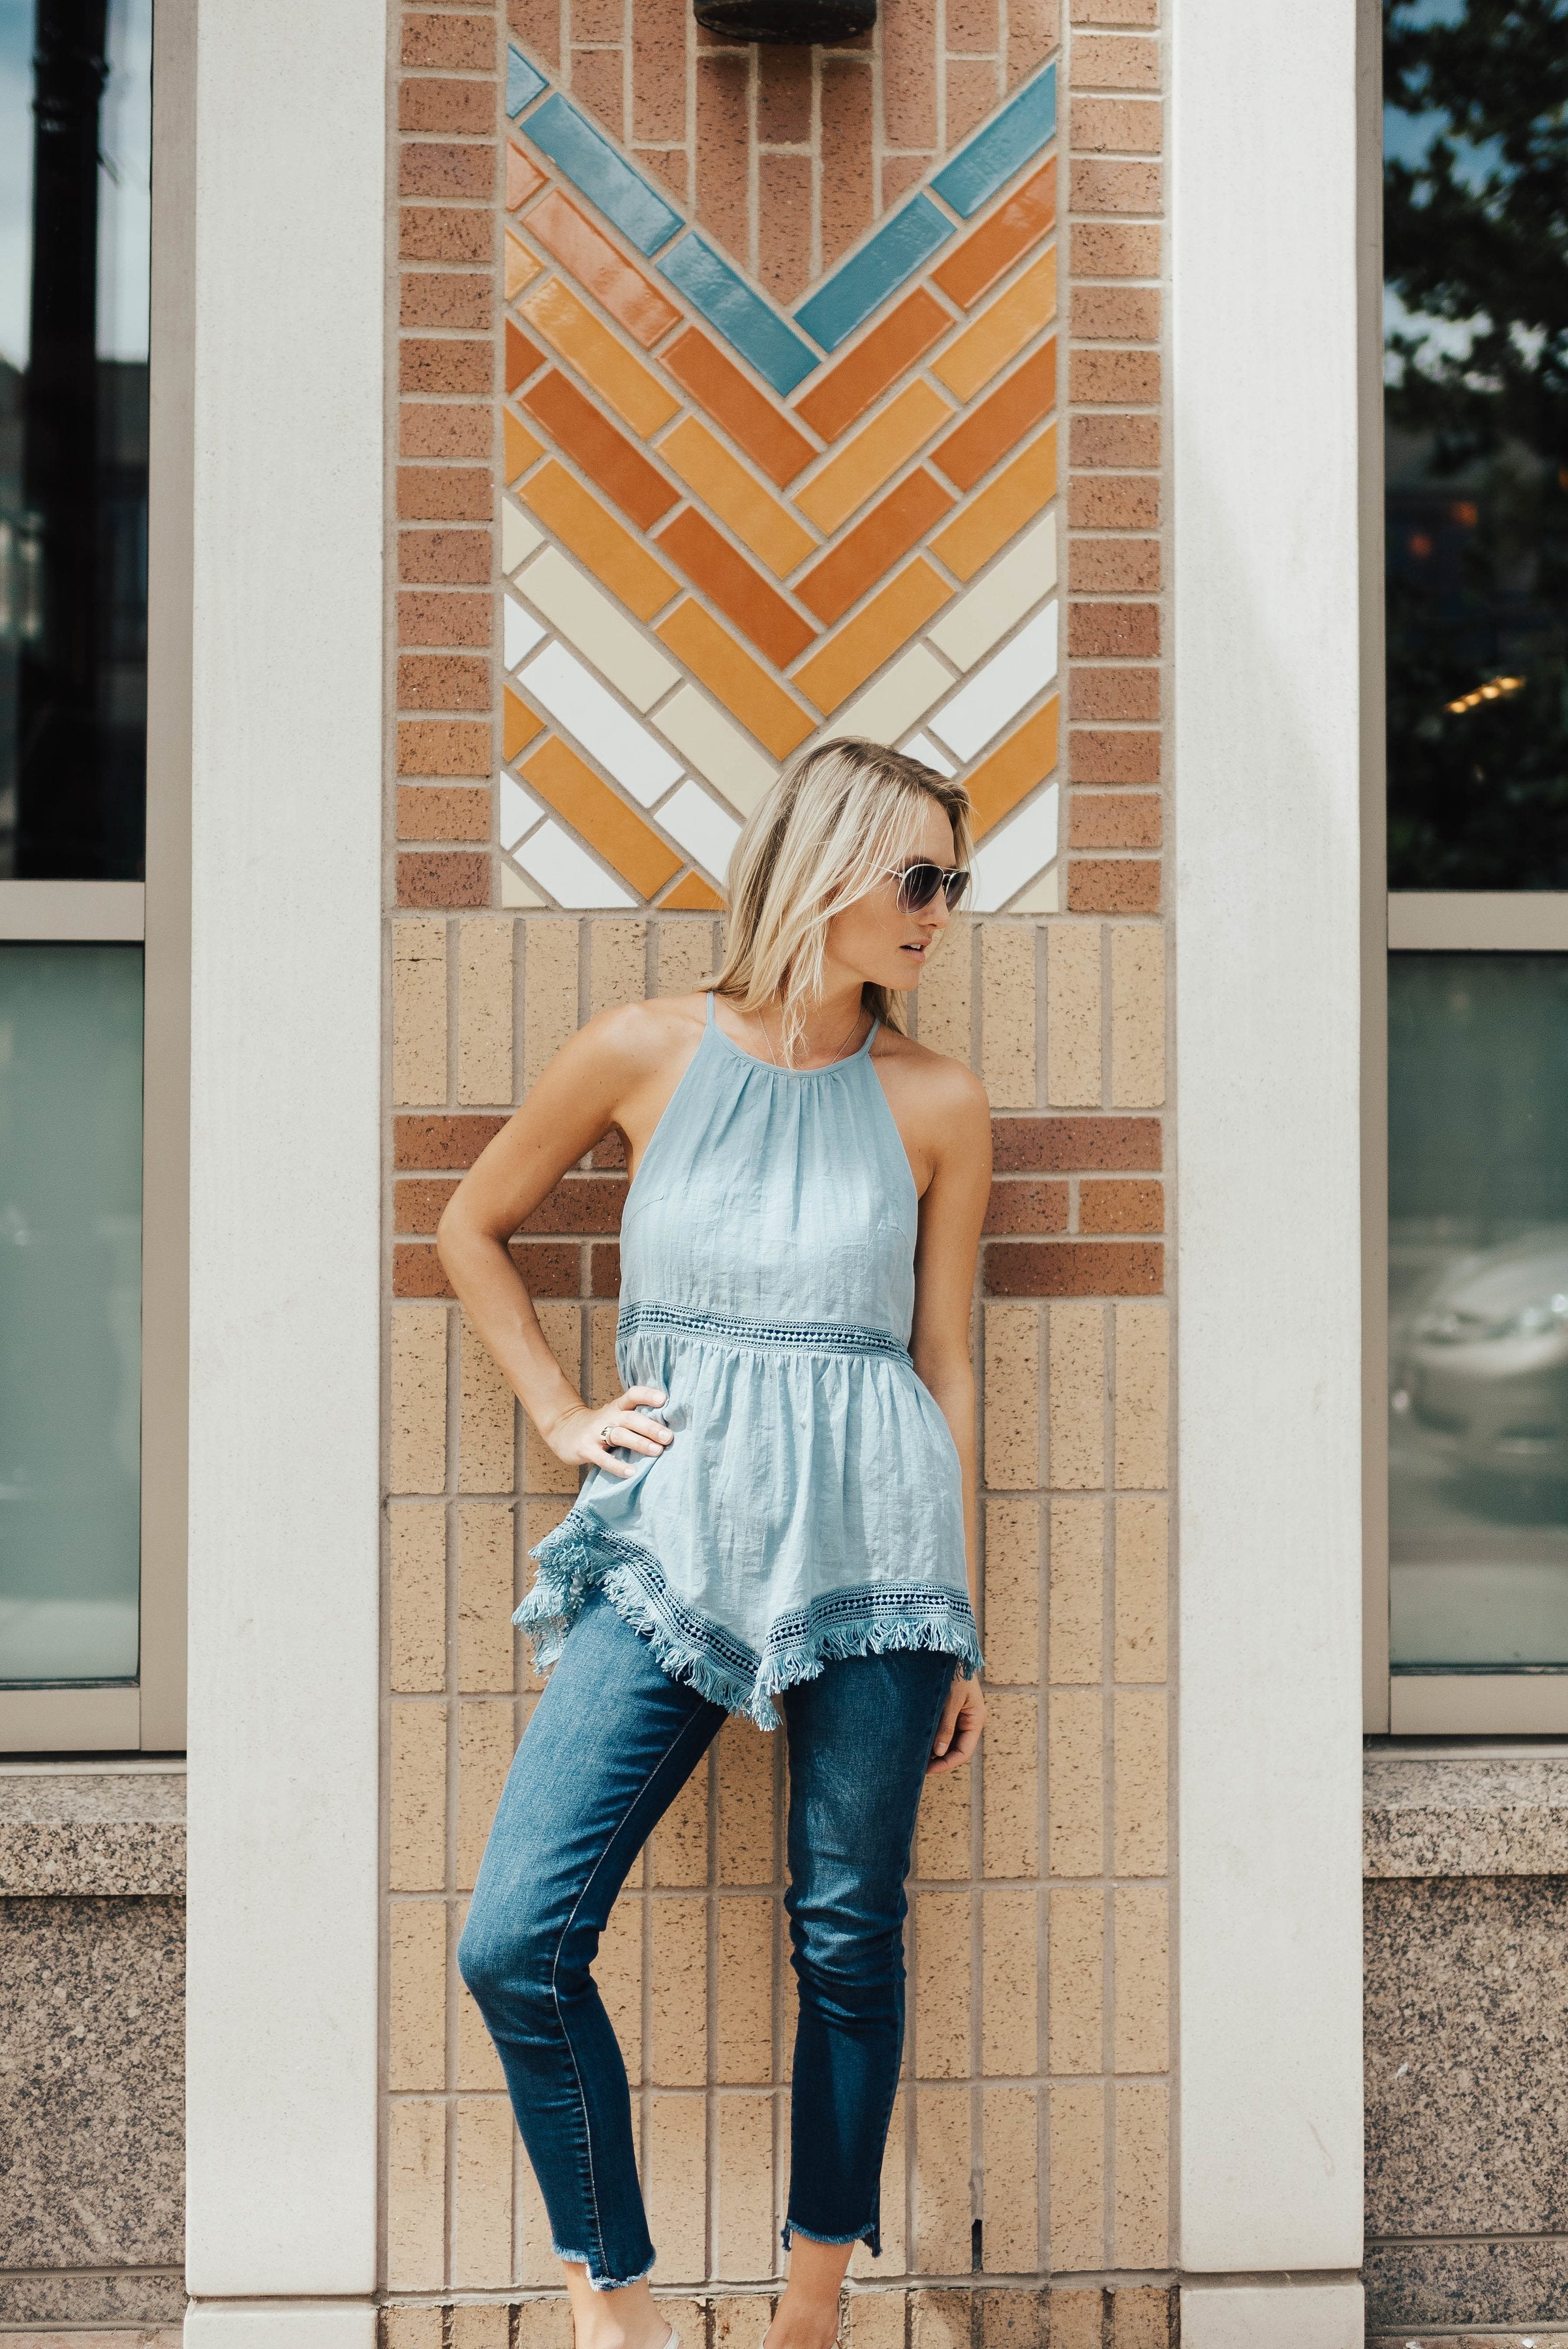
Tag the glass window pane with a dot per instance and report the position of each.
(1475, 407)
(74, 211)
(1479, 1310)
(70, 1311)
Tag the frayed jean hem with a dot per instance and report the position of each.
(598, 2282)
(870, 2235)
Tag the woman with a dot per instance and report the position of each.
(780, 1510)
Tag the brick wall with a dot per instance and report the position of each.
(1030, 2143)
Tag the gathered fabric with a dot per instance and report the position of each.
(810, 1506)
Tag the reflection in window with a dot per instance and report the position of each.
(1479, 1310)
(74, 216)
(1476, 405)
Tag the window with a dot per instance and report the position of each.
(88, 1567)
(1476, 617)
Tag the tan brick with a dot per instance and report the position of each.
(1142, 1597)
(1013, 1592)
(1115, 314)
(418, 1013)
(563, 1329)
(486, 1418)
(1075, 1397)
(872, 2320)
(1077, 2318)
(481, 2324)
(1104, 62)
(618, 1969)
(1078, 2176)
(1141, 2198)
(1115, 12)
(549, 990)
(486, 1737)
(416, 2196)
(744, 2045)
(417, 1798)
(1009, 2124)
(946, 998)
(1007, 1013)
(737, 2319)
(1142, 2316)
(676, 2189)
(484, 1011)
(941, 2034)
(1077, 1589)
(419, 1398)
(689, 2317)
(539, 1518)
(1014, 2319)
(1111, 501)
(1142, 1392)
(1141, 2027)
(942, 2196)
(743, 2186)
(1073, 1015)
(1101, 187)
(478, 2065)
(685, 954)
(1011, 1789)
(1010, 1947)
(537, 2264)
(481, 2192)
(1115, 249)
(678, 1845)
(677, 1970)
(617, 964)
(942, 1842)
(745, 1797)
(1076, 1979)
(939, 2320)
(893, 2199)
(416, 1995)
(411, 2328)
(485, 1537)
(417, 1609)
(1076, 1782)
(1138, 1015)
(1116, 126)
(1141, 1772)
(1012, 1396)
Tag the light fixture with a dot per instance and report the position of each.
(1494, 689)
(787, 24)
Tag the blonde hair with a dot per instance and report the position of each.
(836, 821)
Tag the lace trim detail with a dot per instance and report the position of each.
(581, 1556)
(809, 1337)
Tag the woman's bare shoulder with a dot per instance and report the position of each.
(946, 1084)
(634, 1039)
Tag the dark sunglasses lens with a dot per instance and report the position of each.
(953, 887)
(918, 885)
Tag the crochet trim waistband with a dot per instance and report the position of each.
(731, 1329)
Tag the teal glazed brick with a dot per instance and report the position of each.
(591, 164)
(524, 82)
(1003, 147)
(895, 252)
(742, 318)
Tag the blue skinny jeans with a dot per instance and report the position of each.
(611, 1743)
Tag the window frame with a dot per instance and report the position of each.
(149, 1716)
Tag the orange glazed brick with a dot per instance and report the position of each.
(741, 684)
(732, 492)
(1000, 512)
(444, 233)
(1028, 1145)
(462, 109)
(1120, 1207)
(1115, 440)
(444, 1142)
(523, 356)
(990, 430)
(436, 619)
(1129, 696)
(459, 558)
(847, 391)
(1114, 566)
(712, 564)
(523, 179)
(444, 493)
(1113, 502)
(425, 366)
(419, 1201)
(645, 313)
(1113, 885)
(1115, 249)
(519, 724)
(585, 1204)
(973, 266)
(434, 167)
(1001, 330)
(1115, 187)
(574, 791)
(443, 681)
(612, 553)
(749, 417)
(692, 895)
(890, 620)
(1113, 631)
(874, 545)
(1075, 1268)
(1115, 379)
(638, 397)
(459, 44)
(870, 459)
(426, 430)
(457, 878)
(1017, 1205)
(1014, 767)
(1104, 756)
(606, 455)
(442, 812)
(442, 746)
(518, 447)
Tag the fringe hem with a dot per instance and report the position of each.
(580, 1557)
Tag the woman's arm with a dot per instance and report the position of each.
(595, 1081)
(953, 1210)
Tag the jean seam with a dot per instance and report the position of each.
(554, 1969)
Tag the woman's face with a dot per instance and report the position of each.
(872, 937)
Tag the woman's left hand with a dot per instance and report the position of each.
(958, 1732)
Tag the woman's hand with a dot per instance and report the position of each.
(958, 1732)
(583, 1436)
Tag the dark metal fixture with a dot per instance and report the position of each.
(787, 24)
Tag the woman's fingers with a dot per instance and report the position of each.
(594, 1455)
(959, 1731)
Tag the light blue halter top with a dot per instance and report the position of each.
(811, 1505)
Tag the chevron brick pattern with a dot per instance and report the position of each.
(702, 575)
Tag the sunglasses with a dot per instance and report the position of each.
(919, 883)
